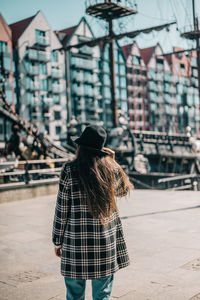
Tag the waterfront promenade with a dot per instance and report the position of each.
(162, 230)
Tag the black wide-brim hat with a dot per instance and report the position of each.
(93, 138)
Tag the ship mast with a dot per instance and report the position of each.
(108, 10)
(195, 35)
(196, 29)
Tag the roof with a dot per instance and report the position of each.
(126, 49)
(19, 27)
(169, 59)
(5, 25)
(146, 53)
(68, 33)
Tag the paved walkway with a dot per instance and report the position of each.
(162, 233)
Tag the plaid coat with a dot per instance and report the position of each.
(89, 249)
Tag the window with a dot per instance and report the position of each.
(177, 67)
(3, 46)
(130, 81)
(106, 79)
(39, 33)
(194, 72)
(106, 67)
(58, 130)
(123, 94)
(123, 81)
(182, 68)
(152, 74)
(160, 63)
(1, 128)
(57, 115)
(122, 69)
(43, 69)
(55, 82)
(56, 99)
(88, 90)
(54, 56)
(140, 118)
(44, 84)
(47, 129)
(136, 60)
(194, 61)
(124, 106)
(107, 92)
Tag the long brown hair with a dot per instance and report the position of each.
(98, 177)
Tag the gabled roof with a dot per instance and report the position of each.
(68, 33)
(126, 49)
(146, 53)
(5, 25)
(19, 27)
(69, 30)
(169, 58)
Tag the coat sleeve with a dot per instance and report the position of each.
(120, 189)
(61, 209)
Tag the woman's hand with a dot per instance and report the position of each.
(58, 251)
(110, 152)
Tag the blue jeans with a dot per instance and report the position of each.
(101, 288)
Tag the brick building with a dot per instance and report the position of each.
(136, 72)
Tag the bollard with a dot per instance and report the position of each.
(195, 185)
(26, 176)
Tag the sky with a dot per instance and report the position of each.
(66, 13)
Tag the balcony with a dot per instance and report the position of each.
(42, 41)
(79, 92)
(32, 54)
(85, 50)
(33, 70)
(8, 92)
(56, 88)
(33, 86)
(35, 114)
(35, 55)
(77, 76)
(88, 78)
(56, 74)
(46, 116)
(80, 106)
(48, 100)
(44, 56)
(31, 99)
(83, 64)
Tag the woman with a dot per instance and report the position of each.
(87, 231)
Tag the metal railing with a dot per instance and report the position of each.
(181, 182)
(30, 173)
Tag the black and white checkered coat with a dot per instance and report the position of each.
(89, 249)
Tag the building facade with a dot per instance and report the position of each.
(161, 91)
(184, 70)
(82, 75)
(54, 82)
(136, 72)
(88, 77)
(120, 84)
(6, 74)
(39, 75)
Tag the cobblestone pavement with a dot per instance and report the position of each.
(163, 238)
